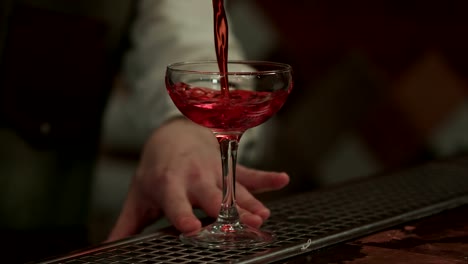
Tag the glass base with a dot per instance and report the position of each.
(228, 236)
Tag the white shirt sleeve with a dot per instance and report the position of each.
(164, 32)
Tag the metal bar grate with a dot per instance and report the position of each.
(308, 221)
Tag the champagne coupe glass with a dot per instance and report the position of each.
(257, 90)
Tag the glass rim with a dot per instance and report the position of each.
(282, 67)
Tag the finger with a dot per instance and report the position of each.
(208, 198)
(250, 219)
(249, 203)
(179, 211)
(133, 217)
(261, 181)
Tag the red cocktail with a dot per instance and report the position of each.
(255, 91)
(240, 110)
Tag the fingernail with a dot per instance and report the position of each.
(264, 213)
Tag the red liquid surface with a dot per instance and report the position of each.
(241, 110)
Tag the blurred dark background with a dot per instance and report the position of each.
(379, 85)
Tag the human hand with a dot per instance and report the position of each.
(180, 168)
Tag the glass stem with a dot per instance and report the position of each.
(228, 144)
